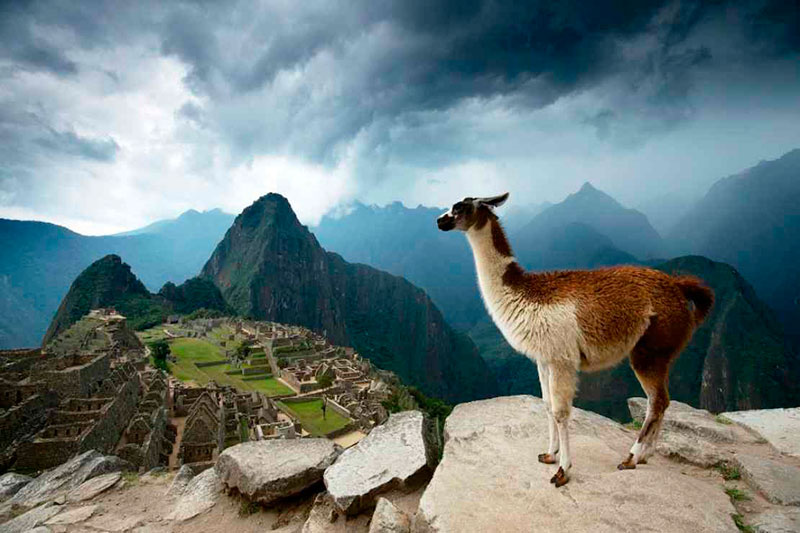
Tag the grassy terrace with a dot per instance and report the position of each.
(310, 415)
(189, 351)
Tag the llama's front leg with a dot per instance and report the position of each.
(552, 448)
(562, 391)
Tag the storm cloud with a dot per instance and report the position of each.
(206, 104)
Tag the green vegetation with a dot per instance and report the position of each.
(325, 381)
(722, 420)
(737, 495)
(739, 521)
(635, 425)
(189, 351)
(729, 472)
(310, 415)
(205, 313)
(160, 351)
(247, 508)
(270, 386)
(131, 478)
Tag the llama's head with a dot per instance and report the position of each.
(470, 212)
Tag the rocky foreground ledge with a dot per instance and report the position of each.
(709, 474)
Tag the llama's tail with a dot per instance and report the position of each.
(696, 292)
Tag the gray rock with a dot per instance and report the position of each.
(778, 482)
(779, 427)
(73, 516)
(389, 519)
(31, 519)
(685, 418)
(324, 518)
(490, 480)
(778, 520)
(395, 454)
(689, 448)
(11, 483)
(91, 488)
(268, 470)
(182, 478)
(62, 479)
(200, 495)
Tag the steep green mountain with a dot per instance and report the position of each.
(736, 360)
(271, 267)
(40, 260)
(752, 221)
(406, 242)
(108, 282)
(627, 229)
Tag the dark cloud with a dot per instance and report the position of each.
(70, 143)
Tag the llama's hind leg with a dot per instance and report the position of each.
(552, 448)
(562, 391)
(652, 372)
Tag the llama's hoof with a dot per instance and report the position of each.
(547, 458)
(642, 461)
(627, 464)
(560, 478)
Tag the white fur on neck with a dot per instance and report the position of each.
(546, 332)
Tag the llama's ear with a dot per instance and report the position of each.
(494, 201)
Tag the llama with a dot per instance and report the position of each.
(586, 320)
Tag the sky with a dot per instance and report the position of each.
(116, 114)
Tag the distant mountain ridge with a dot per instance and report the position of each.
(752, 221)
(269, 266)
(40, 261)
(628, 229)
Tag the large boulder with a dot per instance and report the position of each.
(11, 483)
(490, 479)
(269, 470)
(398, 453)
(62, 479)
(779, 427)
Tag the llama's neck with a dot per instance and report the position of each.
(493, 256)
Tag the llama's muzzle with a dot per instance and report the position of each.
(446, 222)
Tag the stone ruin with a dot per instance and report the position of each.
(218, 417)
(76, 394)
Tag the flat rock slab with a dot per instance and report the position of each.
(779, 427)
(778, 482)
(31, 519)
(91, 488)
(389, 519)
(689, 448)
(779, 520)
(685, 418)
(395, 454)
(62, 479)
(11, 483)
(73, 516)
(200, 495)
(269, 470)
(490, 479)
